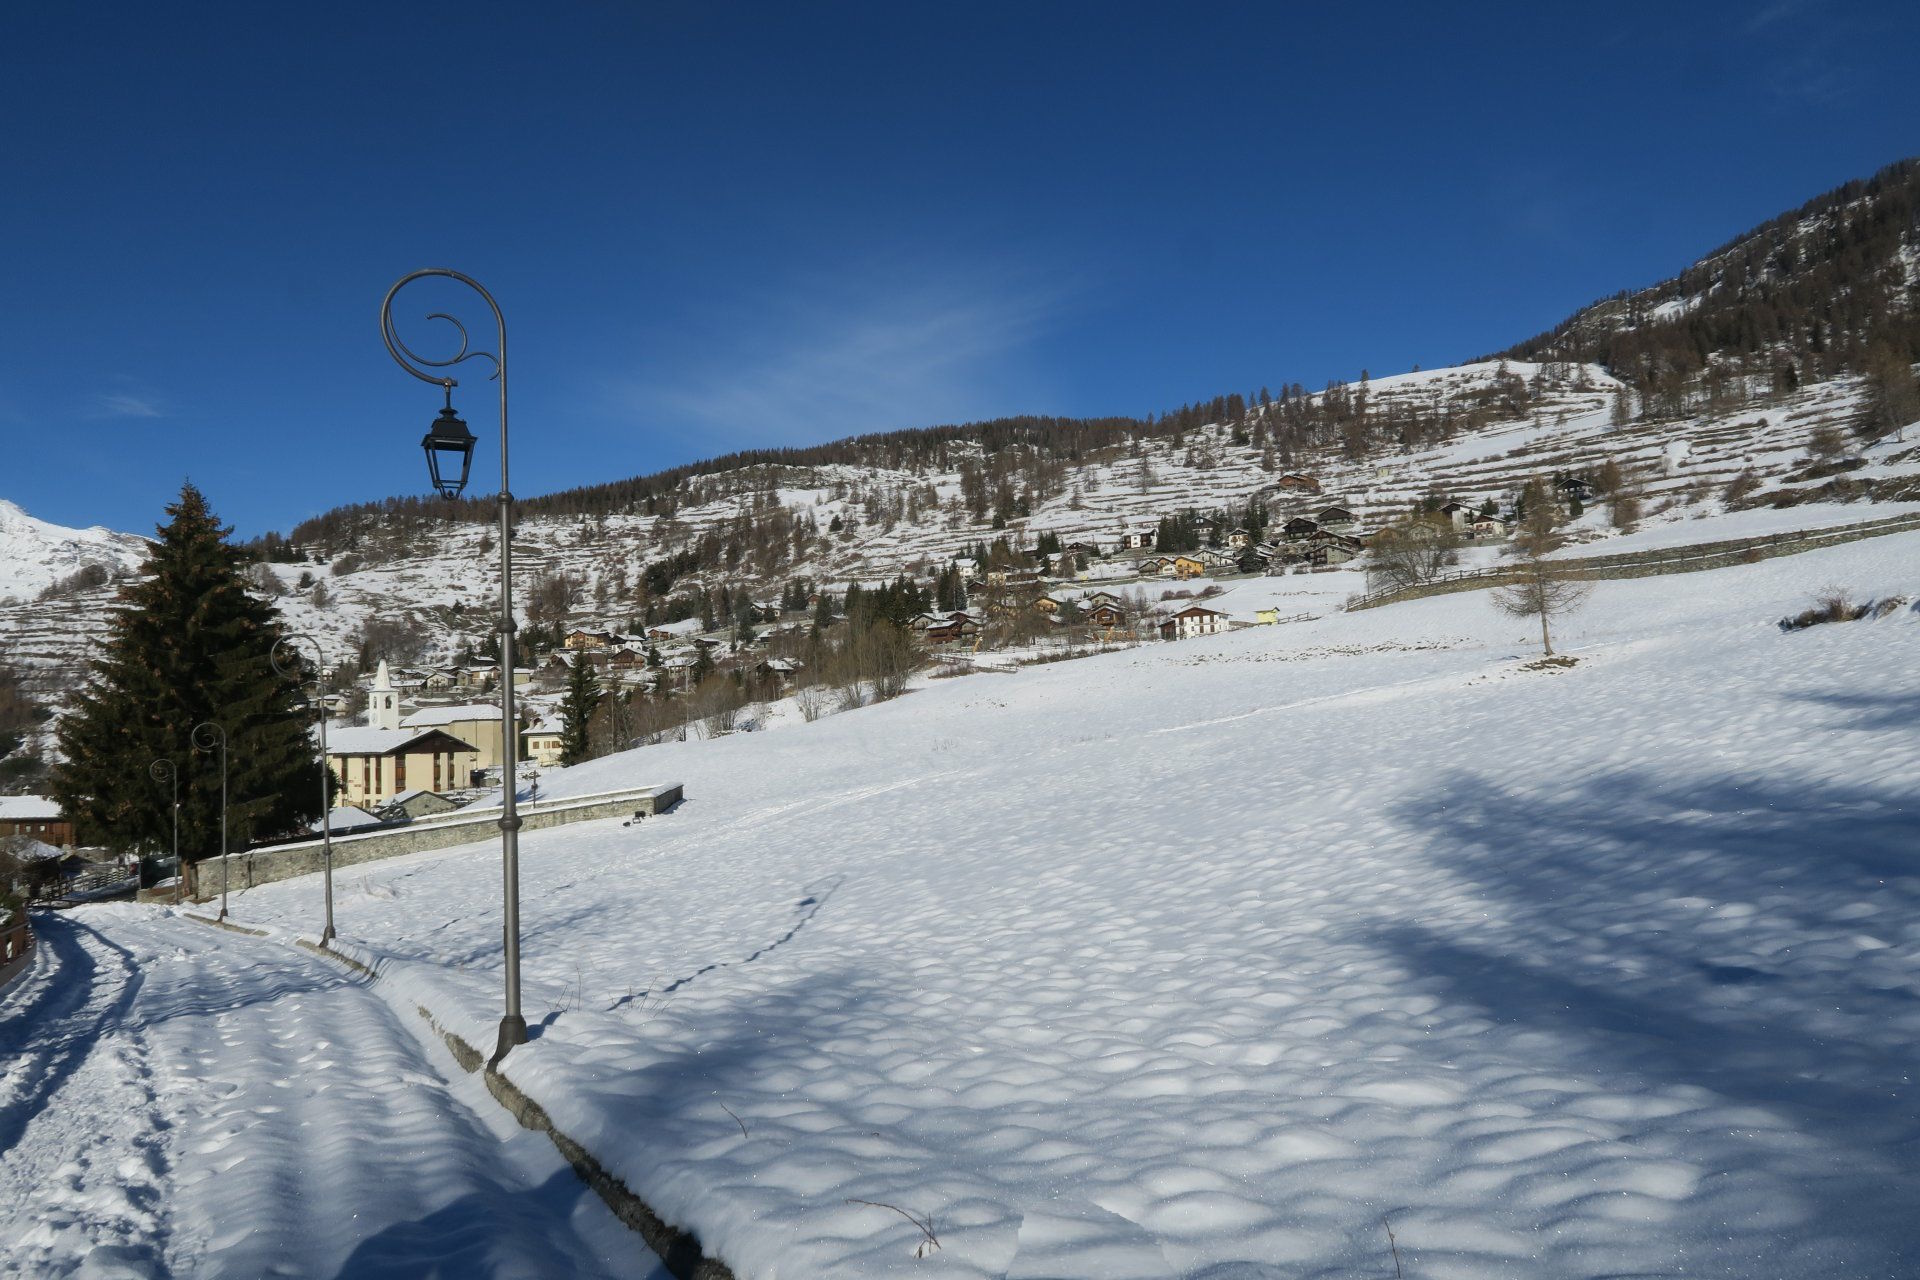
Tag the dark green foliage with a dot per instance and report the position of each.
(898, 602)
(188, 643)
(576, 712)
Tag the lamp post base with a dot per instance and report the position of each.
(513, 1031)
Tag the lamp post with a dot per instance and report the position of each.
(286, 658)
(206, 736)
(448, 443)
(164, 769)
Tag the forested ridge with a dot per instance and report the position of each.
(1823, 290)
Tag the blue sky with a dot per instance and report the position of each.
(715, 226)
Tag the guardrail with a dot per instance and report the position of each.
(1694, 557)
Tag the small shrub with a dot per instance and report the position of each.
(1740, 487)
(1831, 605)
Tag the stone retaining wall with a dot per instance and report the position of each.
(285, 861)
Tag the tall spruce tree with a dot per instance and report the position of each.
(576, 711)
(188, 642)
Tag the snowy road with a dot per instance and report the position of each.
(180, 1101)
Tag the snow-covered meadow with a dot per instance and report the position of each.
(1214, 959)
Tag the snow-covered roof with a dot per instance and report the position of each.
(29, 809)
(547, 728)
(346, 818)
(362, 741)
(27, 849)
(428, 717)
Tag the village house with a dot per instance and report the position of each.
(543, 743)
(1238, 538)
(1486, 525)
(35, 817)
(1188, 567)
(373, 765)
(1295, 482)
(957, 628)
(1194, 620)
(583, 639)
(780, 670)
(1138, 539)
(1106, 615)
(1573, 488)
(1336, 519)
(1327, 548)
(1299, 528)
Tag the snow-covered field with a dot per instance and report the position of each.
(1208, 959)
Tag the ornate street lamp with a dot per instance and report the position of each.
(287, 661)
(164, 770)
(206, 736)
(450, 441)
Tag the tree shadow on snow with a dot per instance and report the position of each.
(494, 1231)
(56, 1023)
(1868, 710)
(1715, 935)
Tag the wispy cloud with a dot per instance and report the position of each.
(1772, 14)
(872, 349)
(122, 405)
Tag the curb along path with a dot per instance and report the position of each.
(678, 1250)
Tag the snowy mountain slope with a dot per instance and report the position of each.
(1197, 960)
(440, 586)
(35, 554)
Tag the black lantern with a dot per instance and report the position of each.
(449, 439)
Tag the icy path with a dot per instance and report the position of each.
(180, 1101)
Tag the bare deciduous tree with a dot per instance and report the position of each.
(1543, 590)
(1411, 554)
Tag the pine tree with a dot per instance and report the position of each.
(188, 643)
(576, 711)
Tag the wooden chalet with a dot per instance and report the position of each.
(1299, 527)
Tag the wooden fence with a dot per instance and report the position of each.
(1646, 564)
